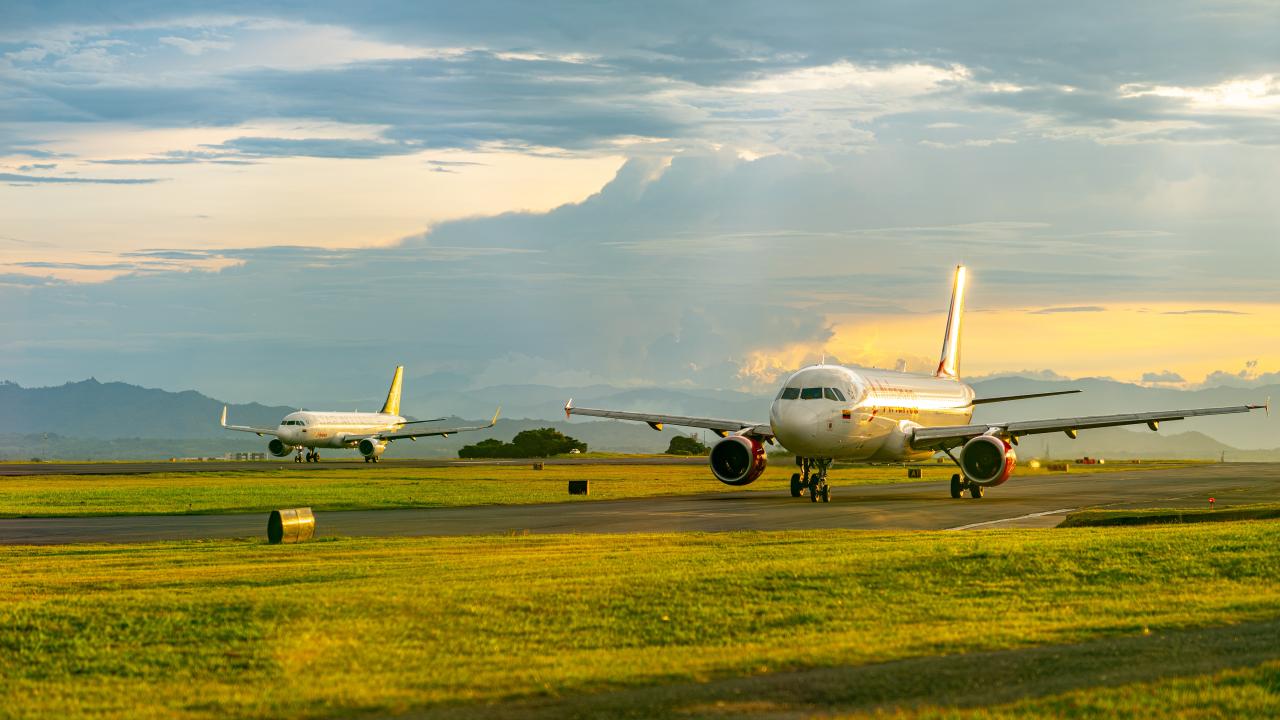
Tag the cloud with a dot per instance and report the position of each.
(178, 157)
(1069, 309)
(259, 147)
(195, 47)
(37, 166)
(1248, 376)
(1164, 376)
(60, 179)
(1204, 311)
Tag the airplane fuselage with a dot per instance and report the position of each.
(863, 414)
(332, 429)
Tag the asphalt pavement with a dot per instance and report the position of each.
(1040, 501)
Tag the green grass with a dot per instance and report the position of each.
(378, 487)
(1166, 516)
(1133, 621)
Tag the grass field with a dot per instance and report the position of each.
(1118, 621)
(385, 487)
(1171, 516)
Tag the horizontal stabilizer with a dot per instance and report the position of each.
(1007, 398)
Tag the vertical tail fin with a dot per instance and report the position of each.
(392, 405)
(949, 363)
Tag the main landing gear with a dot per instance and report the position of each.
(959, 485)
(812, 477)
(370, 459)
(312, 456)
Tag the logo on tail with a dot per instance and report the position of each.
(392, 405)
(949, 363)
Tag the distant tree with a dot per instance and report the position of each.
(542, 442)
(687, 445)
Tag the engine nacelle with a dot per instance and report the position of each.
(737, 460)
(371, 448)
(279, 449)
(987, 460)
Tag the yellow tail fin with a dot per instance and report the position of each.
(392, 405)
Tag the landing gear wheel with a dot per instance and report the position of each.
(826, 493)
(366, 460)
(797, 487)
(975, 491)
(813, 493)
(957, 487)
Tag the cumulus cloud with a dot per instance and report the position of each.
(1164, 376)
(1249, 376)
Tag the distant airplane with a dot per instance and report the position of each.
(367, 432)
(825, 413)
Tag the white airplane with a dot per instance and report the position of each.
(367, 432)
(825, 413)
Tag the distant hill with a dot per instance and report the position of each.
(90, 409)
(106, 420)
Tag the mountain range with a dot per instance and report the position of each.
(91, 419)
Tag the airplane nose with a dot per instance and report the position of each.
(788, 423)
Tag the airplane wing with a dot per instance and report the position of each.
(718, 426)
(440, 432)
(949, 436)
(246, 428)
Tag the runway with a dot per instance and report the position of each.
(1030, 502)
(158, 466)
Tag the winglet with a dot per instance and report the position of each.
(223, 422)
(496, 413)
(567, 407)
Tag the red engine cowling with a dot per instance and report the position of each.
(987, 460)
(737, 460)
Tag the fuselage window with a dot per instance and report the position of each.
(833, 394)
(811, 394)
(790, 393)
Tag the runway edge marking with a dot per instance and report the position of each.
(971, 526)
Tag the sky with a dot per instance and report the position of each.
(269, 200)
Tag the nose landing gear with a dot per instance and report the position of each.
(812, 477)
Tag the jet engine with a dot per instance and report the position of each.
(737, 460)
(371, 448)
(279, 449)
(987, 460)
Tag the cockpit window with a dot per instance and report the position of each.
(833, 394)
(811, 394)
(790, 393)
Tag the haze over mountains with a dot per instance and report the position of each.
(116, 420)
